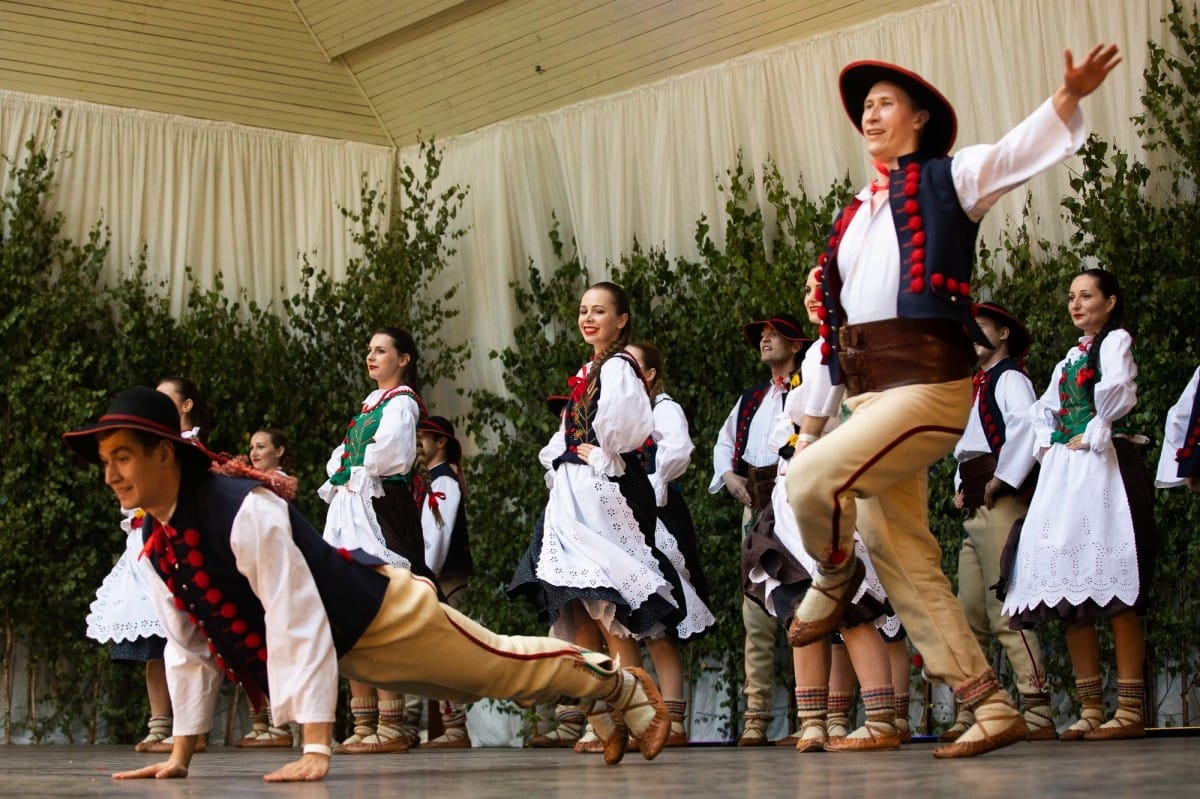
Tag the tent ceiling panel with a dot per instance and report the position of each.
(382, 71)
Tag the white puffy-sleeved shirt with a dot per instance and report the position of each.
(1014, 396)
(811, 398)
(393, 449)
(758, 438)
(351, 521)
(869, 253)
(1115, 393)
(437, 536)
(673, 451)
(1174, 434)
(302, 667)
(622, 422)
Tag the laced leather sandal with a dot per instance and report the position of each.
(611, 731)
(1001, 726)
(813, 737)
(642, 710)
(802, 633)
(589, 743)
(961, 724)
(387, 739)
(566, 735)
(1126, 723)
(754, 733)
(1090, 718)
(880, 736)
(1040, 720)
(452, 738)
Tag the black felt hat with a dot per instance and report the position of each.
(1019, 339)
(139, 408)
(787, 325)
(858, 77)
(441, 426)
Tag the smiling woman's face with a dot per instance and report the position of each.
(599, 322)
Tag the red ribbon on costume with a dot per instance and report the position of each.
(158, 541)
(434, 496)
(578, 385)
(883, 171)
(977, 384)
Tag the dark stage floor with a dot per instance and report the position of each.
(1159, 766)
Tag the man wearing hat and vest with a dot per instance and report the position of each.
(237, 573)
(439, 490)
(898, 333)
(995, 478)
(745, 466)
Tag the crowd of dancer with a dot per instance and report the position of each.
(829, 457)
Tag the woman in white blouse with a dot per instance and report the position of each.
(593, 564)
(667, 460)
(1085, 546)
(371, 508)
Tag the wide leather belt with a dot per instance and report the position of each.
(876, 356)
(974, 475)
(760, 482)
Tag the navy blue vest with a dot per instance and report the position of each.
(458, 556)
(937, 253)
(991, 416)
(195, 560)
(748, 405)
(578, 415)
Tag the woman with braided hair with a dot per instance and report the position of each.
(592, 562)
(1089, 557)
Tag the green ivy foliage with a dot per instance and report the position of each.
(73, 341)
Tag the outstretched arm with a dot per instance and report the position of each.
(1081, 80)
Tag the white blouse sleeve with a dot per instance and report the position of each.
(302, 663)
(723, 450)
(335, 460)
(673, 453)
(624, 418)
(555, 447)
(393, 448)
(1174, 434)
(1116, 392)
(1043, 415)
(822, 397)
(1014, 394)
(786, 421)
(983, 173)
(437, 536)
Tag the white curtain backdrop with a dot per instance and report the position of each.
(213, 196)
(642, 163)
(247, 202)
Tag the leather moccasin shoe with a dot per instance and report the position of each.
(802, 632)
(1012, 732)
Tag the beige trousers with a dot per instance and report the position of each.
(418, 645)
(884, 451)
(758, 650)
(979, 569)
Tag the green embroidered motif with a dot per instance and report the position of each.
(1076, 407)
(361, 432)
